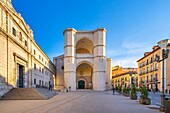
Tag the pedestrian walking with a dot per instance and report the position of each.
(69, 88)
(153, 90)
(50, 87)
(113, 89)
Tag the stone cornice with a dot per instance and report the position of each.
(101, 29)
(108, 59)
(10, 12)
(69, 71)
(99, 45)
(68, 56)
(17, 55)
(69, 29)
(84, 57)
(99, 71)
(69, 46)
(72, 29)
(100, 56)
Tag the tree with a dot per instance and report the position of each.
(133, 94)
(144, 95)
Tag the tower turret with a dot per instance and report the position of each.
(69, 59)
(99, 72)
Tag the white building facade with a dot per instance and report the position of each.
(84, 64)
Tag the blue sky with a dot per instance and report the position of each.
(133, 26)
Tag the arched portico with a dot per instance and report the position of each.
(84, 73)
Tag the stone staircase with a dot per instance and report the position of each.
(46, 93)
(28, 94)
(4, 88)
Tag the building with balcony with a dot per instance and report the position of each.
(150, 71)
(84, 64)
(23, 63)
(124, 76)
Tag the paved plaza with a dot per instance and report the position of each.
(77, 102)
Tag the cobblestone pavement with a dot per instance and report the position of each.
(77, 102)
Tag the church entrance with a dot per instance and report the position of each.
(84, 76)
(20, 80)
(81, 84)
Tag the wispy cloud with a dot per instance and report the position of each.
(130, 51)
(126, 61)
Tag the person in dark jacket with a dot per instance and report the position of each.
(50, 87)
(113, 89)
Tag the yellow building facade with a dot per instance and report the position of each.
(124, 76)
(150, 71)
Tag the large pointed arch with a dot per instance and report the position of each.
(84, 46)
(84, 71)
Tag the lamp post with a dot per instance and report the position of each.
(162, 44)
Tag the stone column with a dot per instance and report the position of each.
(99, 71)
(69, 59)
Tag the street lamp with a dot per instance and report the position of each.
(162, 44)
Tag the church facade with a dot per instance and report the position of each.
(23, 64)
(84, 64)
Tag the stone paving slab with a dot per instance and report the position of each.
(78, 102)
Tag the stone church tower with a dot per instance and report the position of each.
(84, 64)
